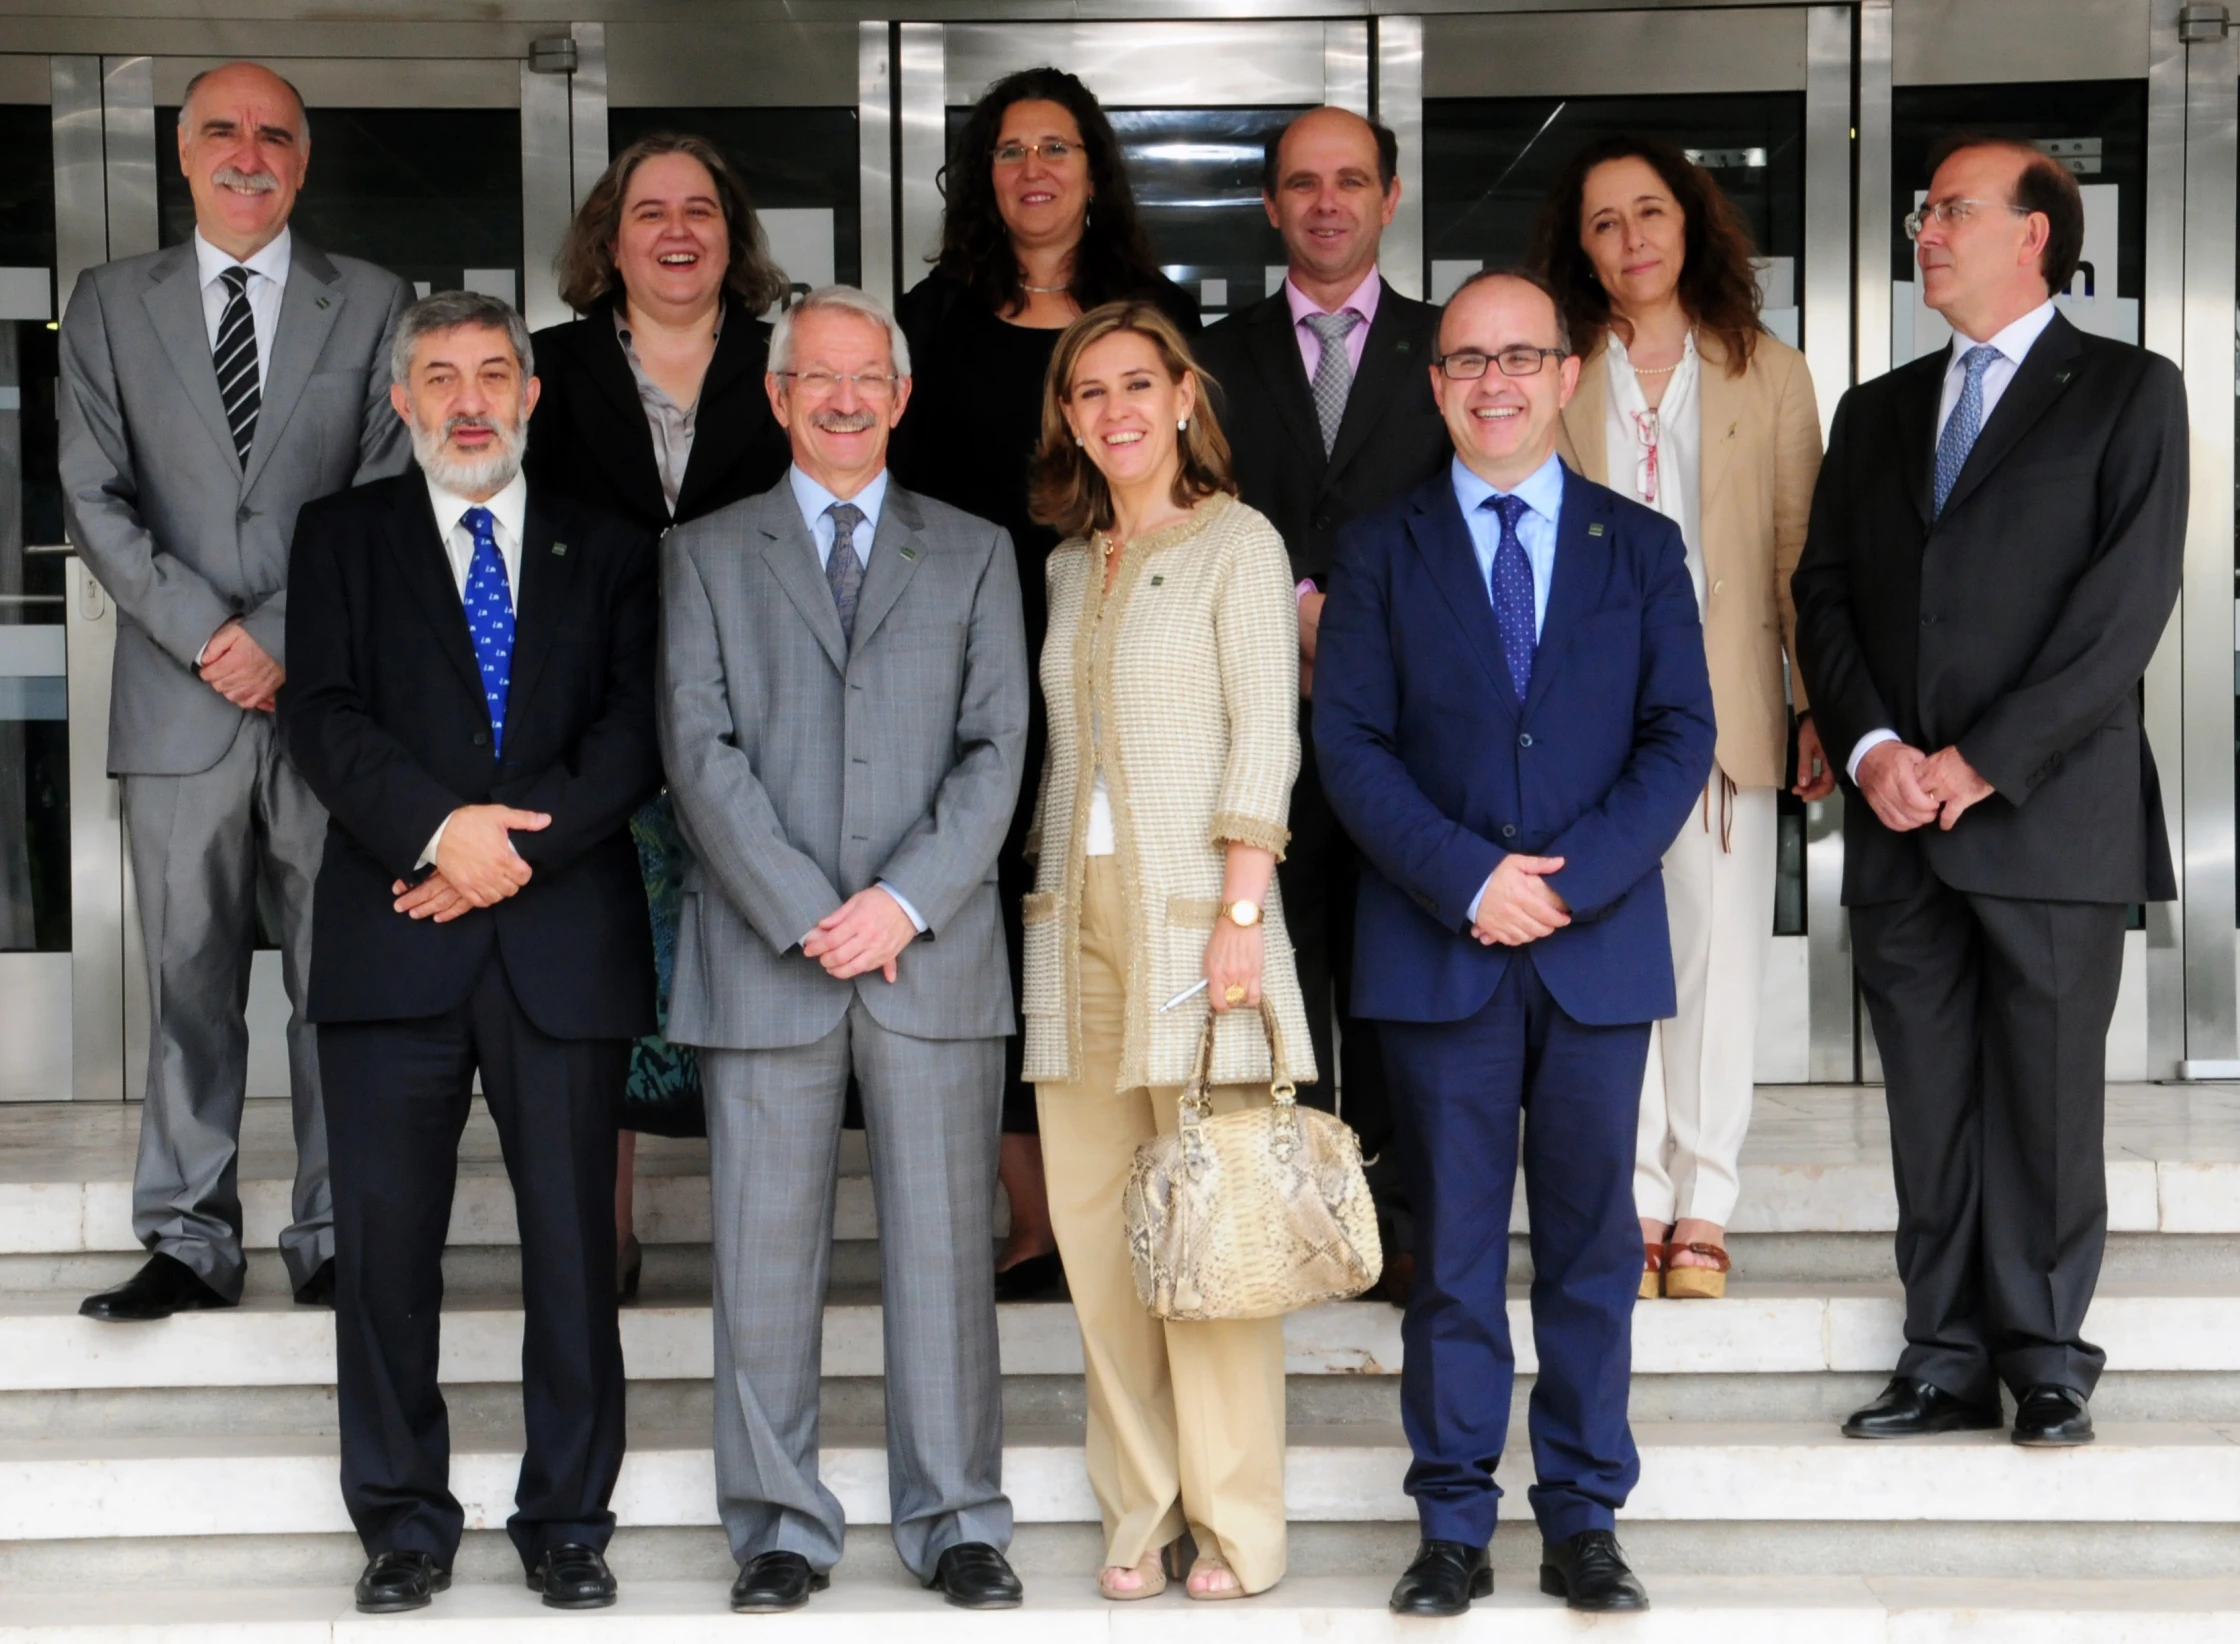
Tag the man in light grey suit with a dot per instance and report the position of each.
(208, 392)
(843, 706)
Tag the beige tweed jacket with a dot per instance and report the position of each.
(1185, 680)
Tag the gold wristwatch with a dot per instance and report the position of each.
(1242, 914)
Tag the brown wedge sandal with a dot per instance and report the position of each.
(1696, 1283)
(1652, 1269)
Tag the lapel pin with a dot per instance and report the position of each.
(1594, 530)
(908, 552)
(1156, 581)
(323, 301)
(1401, 347)
(559, 549)
(2061, 376)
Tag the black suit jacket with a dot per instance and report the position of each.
(1391, 439)
(589, 437)
(2016, 624)
(383, 713)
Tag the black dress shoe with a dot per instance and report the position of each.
(973, 1576)
(1909, 1408)
(317, 1290)
(1038, 1278)
(2054, 1417)
(573, 1577)
(1442, 1579)
(400, 1581)
(1589, 1572)
(776, 1581)
(162, 1287)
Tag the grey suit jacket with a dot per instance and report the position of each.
(804, 770)
(181, 535)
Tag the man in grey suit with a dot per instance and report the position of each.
(843, 706)
(208, 392)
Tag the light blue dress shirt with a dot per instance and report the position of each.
(814, 500)
(815, 503)
(1542, 491)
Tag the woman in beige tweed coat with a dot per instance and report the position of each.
(1171, 674)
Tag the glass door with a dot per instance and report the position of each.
(1193, 103)
(35, 924)
(1761, 98)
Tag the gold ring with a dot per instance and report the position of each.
(1235, 993)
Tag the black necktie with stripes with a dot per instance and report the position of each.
(235, 355)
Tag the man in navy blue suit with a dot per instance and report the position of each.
(1513, 718)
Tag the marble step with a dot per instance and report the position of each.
(248, 1485)
(63, 1216)
(1817, 1162)
(1731, 1609)
(1757, 1330)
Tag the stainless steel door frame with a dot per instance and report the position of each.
(2204, 629)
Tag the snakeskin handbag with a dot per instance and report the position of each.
(1252, 1214)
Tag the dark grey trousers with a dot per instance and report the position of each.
(1992, 1018)
(201, 846)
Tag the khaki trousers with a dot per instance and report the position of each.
(1186, 1421)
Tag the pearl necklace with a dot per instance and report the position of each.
(1658, 371)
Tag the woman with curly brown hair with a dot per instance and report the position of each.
(653, 408)
(1172, 677)
(1689, 406)
(1040, 226)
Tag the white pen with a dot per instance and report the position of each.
(1190, 992)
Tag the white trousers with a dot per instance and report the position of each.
(1695, 1094)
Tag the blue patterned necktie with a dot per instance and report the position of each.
(1965, 423)
(490, 619)
(1512, 594)
(843, 567)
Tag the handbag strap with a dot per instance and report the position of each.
(1197, 1095)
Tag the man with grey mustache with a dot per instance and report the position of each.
(843, 707)
(208, 392)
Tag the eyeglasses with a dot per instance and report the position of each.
(1469, 364)
(1952, 213)
(1057, 153)
(828, 382)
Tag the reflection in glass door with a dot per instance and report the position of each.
(34, 710)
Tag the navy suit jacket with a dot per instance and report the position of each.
(1438, 772)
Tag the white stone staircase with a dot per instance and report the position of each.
(177, 1482)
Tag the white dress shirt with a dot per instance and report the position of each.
(509, 511)
(816, 504)
(2012, 343)
(1678, 491)
(268, 278)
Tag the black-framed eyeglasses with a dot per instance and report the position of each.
(1057, 152)
(1521, 360)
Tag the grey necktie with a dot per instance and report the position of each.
(844, 569)
(234, 355)
(1333, 373)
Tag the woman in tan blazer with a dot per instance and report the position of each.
(1688, 405)
(1171, 675)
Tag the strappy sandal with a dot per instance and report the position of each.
(1151, 1568)
(1209, 1564)
(1697, 1283)
(1652, 1269)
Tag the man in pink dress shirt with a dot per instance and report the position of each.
(1326, 399)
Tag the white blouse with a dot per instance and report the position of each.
(1656, 457)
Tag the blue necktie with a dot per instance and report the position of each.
(1965, 423)
(1512, 594)
(490, 619)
